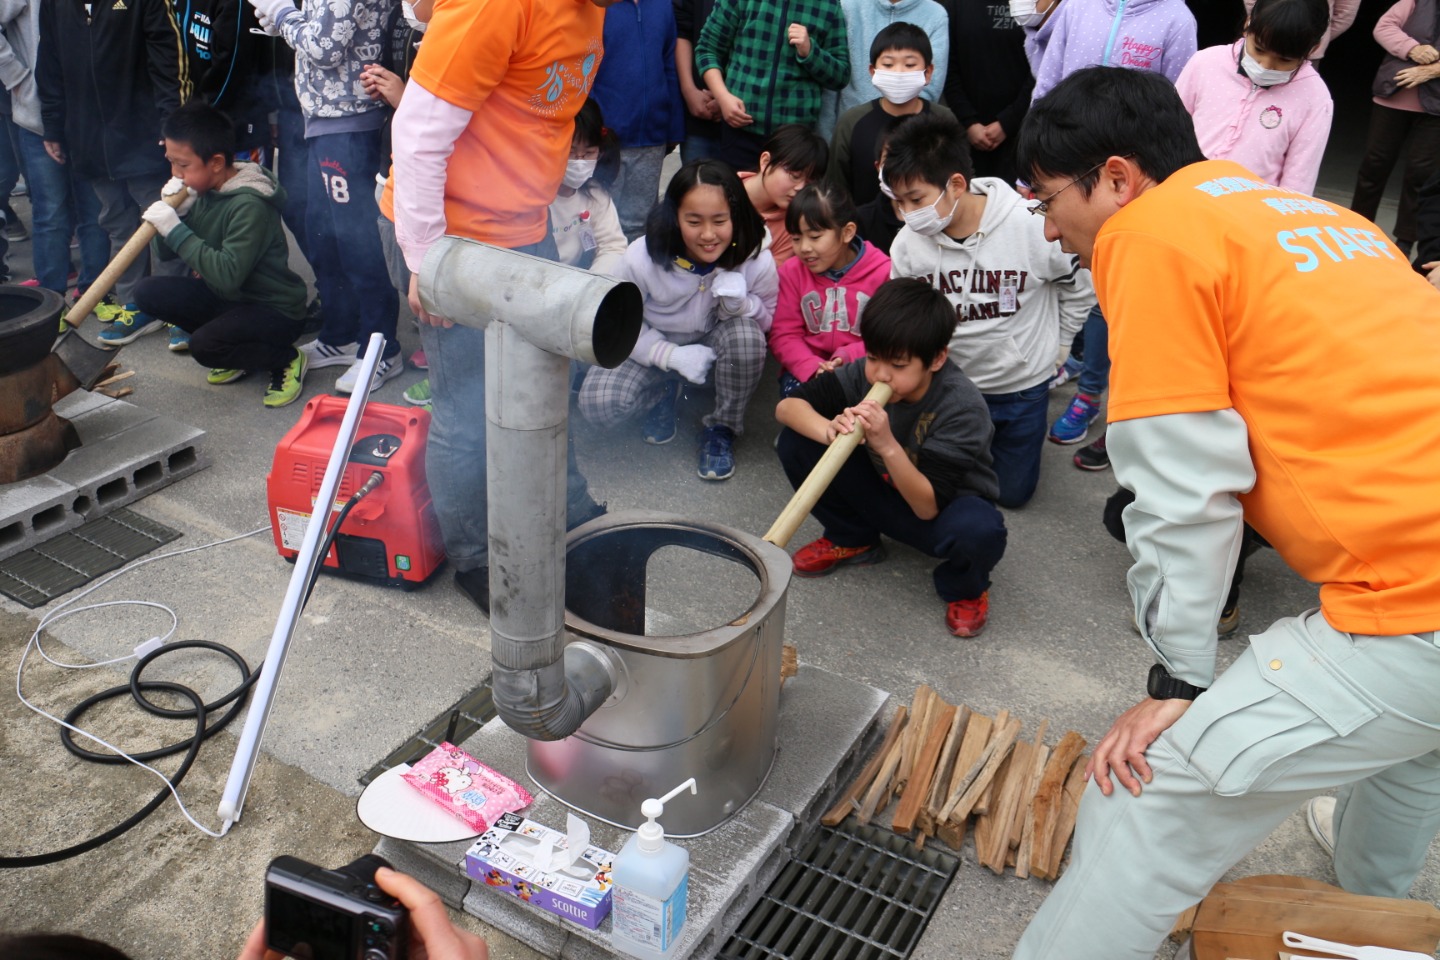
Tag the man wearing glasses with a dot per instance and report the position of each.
(1275, 364)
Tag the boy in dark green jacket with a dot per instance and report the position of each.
(244, 307)
(766, 63)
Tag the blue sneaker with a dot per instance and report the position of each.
(1075, 422)
(179, 339)
(660, 421)
(129, 324)
(717, 453)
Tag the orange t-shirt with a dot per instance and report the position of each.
(524, 68)
(1223, 291)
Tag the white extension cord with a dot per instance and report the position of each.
(65, 610)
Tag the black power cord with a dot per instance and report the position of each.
(200, 711)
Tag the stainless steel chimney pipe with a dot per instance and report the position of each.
(537, 316)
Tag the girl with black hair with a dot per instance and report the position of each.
(583, 219)
(709, 287)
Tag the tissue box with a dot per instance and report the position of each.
(502, 860)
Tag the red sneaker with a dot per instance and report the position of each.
(823, 557)
(966, 618)
(418, 361)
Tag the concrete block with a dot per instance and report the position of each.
(826, 721)
(126, 453)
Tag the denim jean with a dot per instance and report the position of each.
(858, 506)
(57, 202)
(1095, 368)
(342, 243)
(455, 454)
(698, 147)
(1020, 426)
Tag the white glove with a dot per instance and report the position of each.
(275, 11)
(729, 288)
(266, 26)
(692, 362)
(162, 217)
(173, 186)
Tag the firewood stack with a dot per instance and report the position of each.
(956, 770)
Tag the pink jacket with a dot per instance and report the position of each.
(1278, 132)
(817, 318)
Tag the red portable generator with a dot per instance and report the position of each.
(391, 535)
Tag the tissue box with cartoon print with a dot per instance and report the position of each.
(562, 874)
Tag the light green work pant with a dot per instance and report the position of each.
(1306, 709)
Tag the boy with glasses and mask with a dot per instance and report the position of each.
(900, 67)
(1019, 299)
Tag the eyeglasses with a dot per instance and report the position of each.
(1042, 207)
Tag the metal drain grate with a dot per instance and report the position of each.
(36, 576)
(853, 893)
(456, 725)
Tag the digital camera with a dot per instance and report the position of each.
(316, 914)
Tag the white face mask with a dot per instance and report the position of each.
(1024, 13)
(884, 187)
(899, 86)
(578, 172)
(1259, 75)
(408, 12)
(927, 220)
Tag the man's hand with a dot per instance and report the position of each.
(996, 133)
(162, 217)
(876, 422)
(1431, 273)
(433, 936)
(732, 110)
(978, 136)
(1414, 76)
(1423, 53)
(799, 38)
(414, 299)
(1122, 750)
(57, 152)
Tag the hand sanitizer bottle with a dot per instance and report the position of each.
(651, 880)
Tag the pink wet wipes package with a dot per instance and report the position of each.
(466, 787)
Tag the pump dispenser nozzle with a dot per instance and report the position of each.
(650, 836)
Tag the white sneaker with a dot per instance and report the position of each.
(1320, 818)
(384, 370)
(319, 354)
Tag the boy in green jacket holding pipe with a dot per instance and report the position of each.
(244, 306)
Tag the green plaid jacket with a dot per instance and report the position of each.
(746, 40)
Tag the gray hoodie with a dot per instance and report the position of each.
(1002, 352)
(19, 44)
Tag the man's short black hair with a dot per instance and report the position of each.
(901, 36)
(1289, 28)
(907, 318)
(930, 149)
(663, 240)
(799, 150)
(1103, 112)
(823, 206)
(202, 128)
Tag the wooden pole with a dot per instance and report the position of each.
(139, 240)
(809, 493)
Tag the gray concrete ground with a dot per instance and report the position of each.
(372, 665)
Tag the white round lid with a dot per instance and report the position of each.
(393, 808)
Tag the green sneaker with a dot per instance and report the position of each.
(287, 382)
(219, 375)
(107, 310)
(419, 393)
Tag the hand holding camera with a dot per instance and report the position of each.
(364, 911)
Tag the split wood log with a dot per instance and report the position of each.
(972, 746)
(960, 805)
(849, 800)
(877, 797)
(918, 790)
(1065, 823)
(945, 768)
(1022, 812)
(1002, 810)
(920, 711)
(1045, 809)
(1027, 790)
